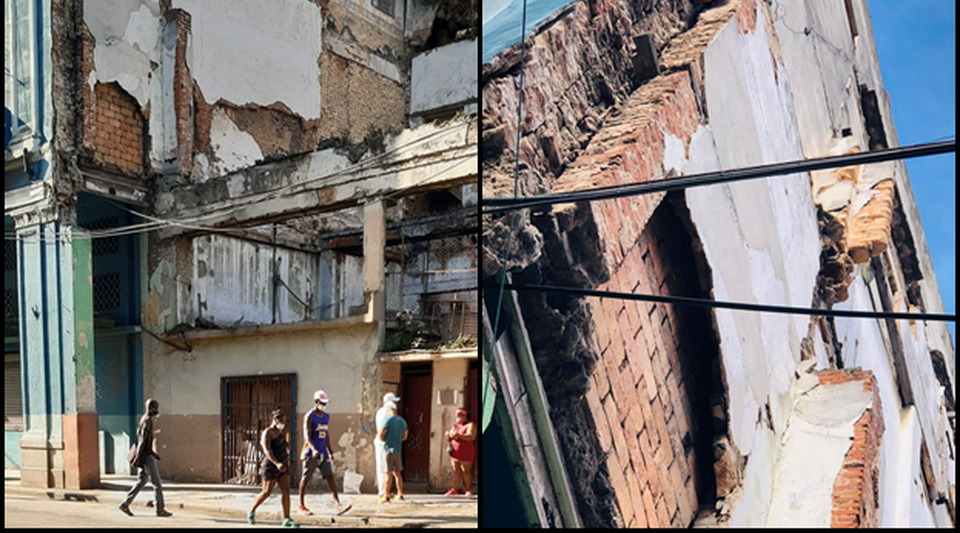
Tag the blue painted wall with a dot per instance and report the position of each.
(11, 445)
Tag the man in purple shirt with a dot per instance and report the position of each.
(316, 451)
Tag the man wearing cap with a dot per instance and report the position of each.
(393, 433)
(316, 451)
(378, 442)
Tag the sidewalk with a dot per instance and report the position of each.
(233, 501)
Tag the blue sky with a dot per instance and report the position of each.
(916, 44)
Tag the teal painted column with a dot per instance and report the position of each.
(56, 346)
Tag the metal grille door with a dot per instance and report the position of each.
(247, 403)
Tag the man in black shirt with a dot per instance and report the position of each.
(144, 458)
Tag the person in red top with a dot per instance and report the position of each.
(461, 437)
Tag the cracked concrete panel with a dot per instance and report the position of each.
(232, 149)
(248, 51)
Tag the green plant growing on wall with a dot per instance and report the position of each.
(409, 334)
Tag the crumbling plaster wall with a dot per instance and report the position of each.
(761, 107)
(255, 52)
(901, 498)
(835, 62)
(814, 449)
(750, 122)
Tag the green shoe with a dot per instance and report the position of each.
(290, 523)
(250, 517)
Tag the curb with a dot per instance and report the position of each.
(264, 517)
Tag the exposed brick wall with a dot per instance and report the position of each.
(855, 490)
(119, 131)
(182, 90)
(355, 100)
(88, 101)
(629, 149)
(643, 388)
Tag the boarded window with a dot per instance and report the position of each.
(12, 399)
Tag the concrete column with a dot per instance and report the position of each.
(59, 445)
(374, 240)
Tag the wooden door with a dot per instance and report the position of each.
(415, 409)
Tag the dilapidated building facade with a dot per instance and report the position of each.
(623, 413)
(227, 206)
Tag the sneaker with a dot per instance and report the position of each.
(451, 492)
(250, 518)
(126, 509)
(400, 498)
(468, 493)
(305, 511)
(164, 513)
(290, 523)
(384, 499)
(343, 509)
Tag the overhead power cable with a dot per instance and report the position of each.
(501, 205)
(699, 302)
(516, 173)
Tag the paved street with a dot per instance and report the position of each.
(29, 512)
(218, 505)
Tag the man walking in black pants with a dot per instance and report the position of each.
(146, 459)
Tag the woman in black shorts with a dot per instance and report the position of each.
(275, 468)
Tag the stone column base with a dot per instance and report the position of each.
(41, 463)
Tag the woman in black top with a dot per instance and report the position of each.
(275, 466)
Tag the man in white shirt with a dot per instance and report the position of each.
(378, 444)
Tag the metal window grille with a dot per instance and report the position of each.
(10, 302)
(9, 256)
(436, 282)
(10, 288)
(387, 6)
(105, 246)
(106, 293)
(247, 404)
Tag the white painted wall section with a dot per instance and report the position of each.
(249, 51)
(127, 35)
(751, 122)
(232, 148)
(444, 76)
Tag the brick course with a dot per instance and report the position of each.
(119, 129)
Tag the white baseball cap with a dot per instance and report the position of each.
(390, 397)
(320, 395)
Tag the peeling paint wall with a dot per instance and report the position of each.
(232, 283)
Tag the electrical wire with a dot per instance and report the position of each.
(699, 302)
(157, 223)
(516, 189)
(500, 205)
(516, 174)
